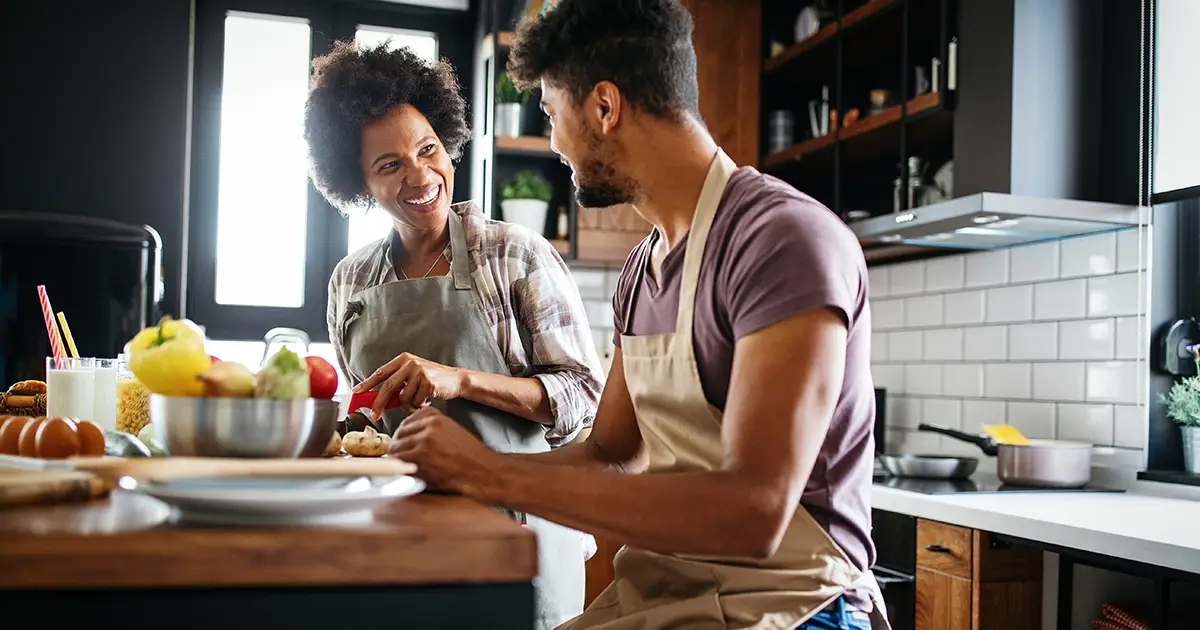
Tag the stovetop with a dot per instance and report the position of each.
(977, 483)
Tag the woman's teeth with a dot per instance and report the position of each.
(428, 198)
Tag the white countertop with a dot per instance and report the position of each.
(1150, 529)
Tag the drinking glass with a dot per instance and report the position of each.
(105, 394)
(70, 388)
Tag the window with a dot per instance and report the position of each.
(373, 224)
(262, 242)
(262, 204)
(1176, 96)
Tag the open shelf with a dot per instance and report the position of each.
(504, 37)
(524, 145)
(563, 246)
(852, 20)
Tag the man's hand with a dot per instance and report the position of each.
(414, 382)
(447, 456)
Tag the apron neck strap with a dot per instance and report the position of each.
(706, 210)
(460, 267)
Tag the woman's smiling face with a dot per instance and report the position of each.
(406, 169)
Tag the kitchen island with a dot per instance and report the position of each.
(426, 561)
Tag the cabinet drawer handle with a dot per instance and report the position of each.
(937, 549)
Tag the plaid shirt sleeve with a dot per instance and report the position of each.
(563, 357)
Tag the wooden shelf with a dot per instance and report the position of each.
(525, 145)
(861, 127)
(562, 245)
(849, 21)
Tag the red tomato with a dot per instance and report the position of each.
(322, 378)
(214, 359)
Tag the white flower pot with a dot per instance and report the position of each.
(1191, 448)
(530, 213)
(508, 120)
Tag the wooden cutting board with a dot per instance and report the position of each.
(29, 487)
(157, 468)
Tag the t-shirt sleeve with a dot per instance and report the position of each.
(789, 256)
(622, 294)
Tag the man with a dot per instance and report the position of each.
(732, 448)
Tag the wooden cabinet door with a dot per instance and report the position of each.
(729, 61)
(943, 601)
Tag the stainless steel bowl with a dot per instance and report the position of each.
(243, 427)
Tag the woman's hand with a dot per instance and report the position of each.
(414, 382)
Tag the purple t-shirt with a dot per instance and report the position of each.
(772, 253)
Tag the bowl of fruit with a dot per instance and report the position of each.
(202, 407)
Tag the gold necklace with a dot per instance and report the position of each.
(437, 260)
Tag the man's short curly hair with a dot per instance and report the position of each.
(354, 86)
(644, 47)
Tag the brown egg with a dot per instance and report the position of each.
(91, 439)
(27, 443)
(10, 434)
(57, 438)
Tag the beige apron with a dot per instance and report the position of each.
(682, 432)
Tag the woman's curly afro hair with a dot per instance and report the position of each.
(354, 86)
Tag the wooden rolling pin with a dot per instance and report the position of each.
(29, 487)
(158, 468)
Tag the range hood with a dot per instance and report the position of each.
(985, 221)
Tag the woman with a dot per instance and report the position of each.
(477, 317)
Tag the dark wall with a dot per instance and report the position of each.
(97, 102)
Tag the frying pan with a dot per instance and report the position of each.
(1041, 463)
(910, 465)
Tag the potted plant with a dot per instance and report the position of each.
(524, 200)
(1183, 406)
(509, 101)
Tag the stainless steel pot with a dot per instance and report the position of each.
(1041, 463)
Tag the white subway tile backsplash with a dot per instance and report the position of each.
(906, 278)
(944, 274)
(1034, 262)
(1010, 304)
(1058, 381)
(1129, 343)
(1114, 381)
(1129, 426)
(923, 311)
(1093, 255)
(599, 312)
(987, 269)
(1006, 380)
(944, 344)
(923, 379)
(964, 308)
(1032, 341)
(987, 343)
(1113, 295)
(889, 377)
(877, 282)
(904, 412)
(1060, 300)
(887, 314)
(592, 283)
(944, 412)
(963, 380)
(920, 442)
(1129, 256)
(1086, 423)
(603, 338)
(879, 347)
(907, 345)
(1093, 339)
(1033, 419)
(977, 413)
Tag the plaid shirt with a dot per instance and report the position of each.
(529, 300)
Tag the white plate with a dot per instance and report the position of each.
(277, 500)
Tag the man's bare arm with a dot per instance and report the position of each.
(786, 381)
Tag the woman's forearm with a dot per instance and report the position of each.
(524, 397)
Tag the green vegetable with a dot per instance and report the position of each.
(285, 376)
(1183, 401)
(507, 92)
(526, 185)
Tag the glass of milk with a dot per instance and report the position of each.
(104, 413)
(70, 388)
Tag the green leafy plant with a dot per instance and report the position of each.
(526, 185)
(507, 92)
(1183, 401)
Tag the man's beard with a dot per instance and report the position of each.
(599, 185)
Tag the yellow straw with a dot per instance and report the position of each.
(62, 319)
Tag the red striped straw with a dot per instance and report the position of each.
(51, 329)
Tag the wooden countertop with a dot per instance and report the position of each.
(127, 541)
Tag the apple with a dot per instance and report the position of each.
(322, 378)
